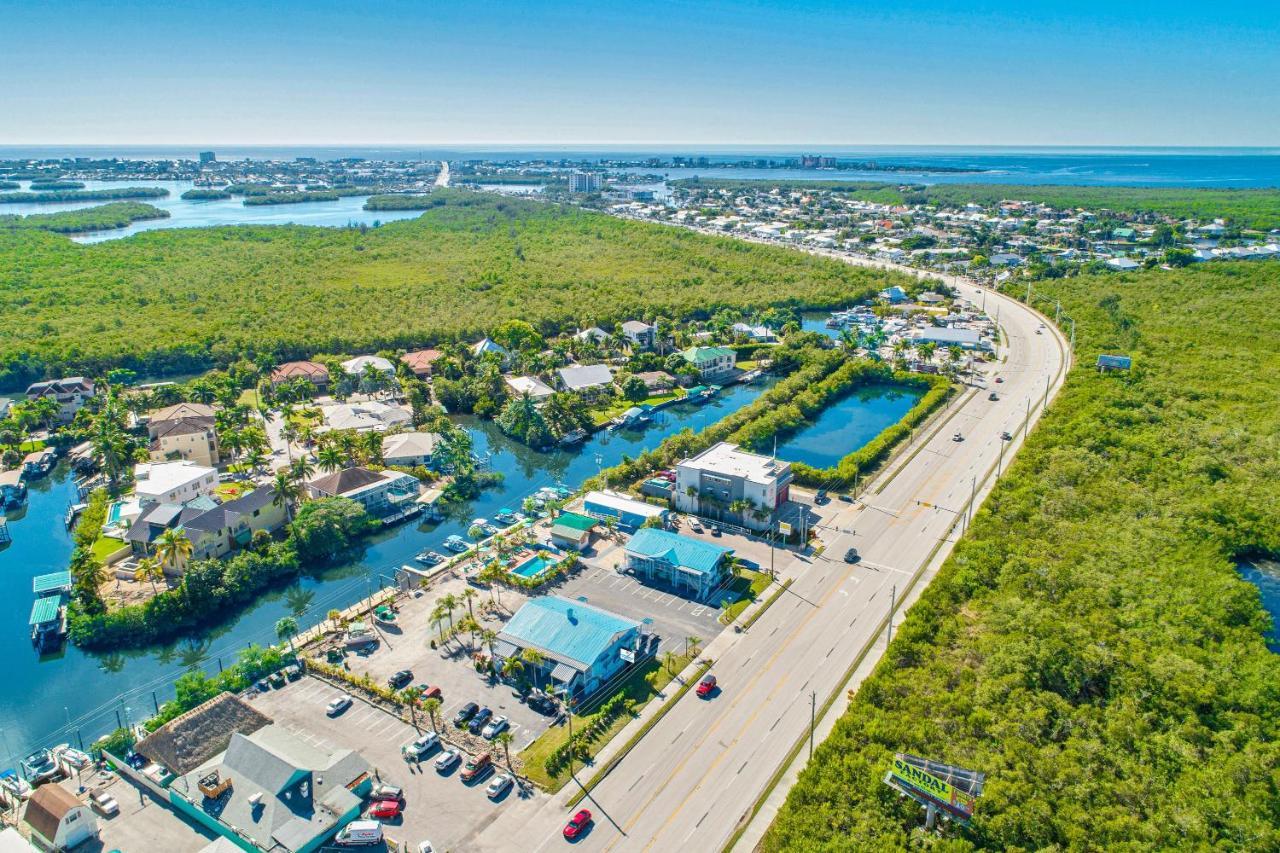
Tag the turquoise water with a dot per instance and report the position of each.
(848, 425)
(533, 566)
(1265, 575)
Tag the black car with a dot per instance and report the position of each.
(1004, 436)
(820, 497)
(400, 679)
(851, 556)
(467, 712)
(477, 722)
(846, 498)
(993, 396)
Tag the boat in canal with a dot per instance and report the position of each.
(13, 785)
(456, 544)
(40, 766)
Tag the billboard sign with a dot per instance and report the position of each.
(627, 655)
(953, 790)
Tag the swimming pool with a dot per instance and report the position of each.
(534, 566)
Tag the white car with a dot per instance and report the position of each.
(425, 847)
(499, 786)
(104, 804)
(494, 726)
(337, 705)
(419, 747)
(447, 759)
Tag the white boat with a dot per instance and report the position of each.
(77, 759)
(14, 785)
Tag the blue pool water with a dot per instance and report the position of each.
(533, 566)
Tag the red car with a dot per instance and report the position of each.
(577, 824)
(706, 686)
(385, 810)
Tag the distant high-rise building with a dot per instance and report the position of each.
(584, 182)
(208, 157)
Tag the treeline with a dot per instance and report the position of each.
(36, 186)
(83, 195)
(100, 218)
(1090, 645)
(184, 300)
(199, 194)
(402, 202)
(289, 198)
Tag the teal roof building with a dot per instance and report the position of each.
(690, 566)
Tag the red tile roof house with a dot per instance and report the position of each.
(316, 374)
(420, 362)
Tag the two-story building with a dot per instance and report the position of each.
(710, 362)
(173, 482)
(691, 566)
(315, 373)
(214, 529)
(728, 484)
(639, 333)
(184, 431)
(379, 492)
(70, 393)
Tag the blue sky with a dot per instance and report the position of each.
(391, 72)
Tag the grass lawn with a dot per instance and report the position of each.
(31, 445)
(249, 397)
(105, 547)
(603, 416)
(749, 585)
(642, 686)
(231, 491)
(747, 365)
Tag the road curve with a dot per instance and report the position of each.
(698, 773)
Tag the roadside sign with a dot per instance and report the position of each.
(784, 527)
(627, 655)
(952, 790)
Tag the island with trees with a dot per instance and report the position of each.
(103, 217)
(82, 195)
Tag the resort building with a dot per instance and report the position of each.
(173, 482)
(420, 362)
(626, 512)
(710, 361)
(688, 565)
(583, 646)
(377, 491)
(315, 373)
(408, 449)
(58, 819)
(70, 393)
(185, 431)
(726, 483)
(572, 530)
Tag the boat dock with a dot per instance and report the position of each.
(49, 612)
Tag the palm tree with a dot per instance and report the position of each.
(284, 492)
(469, 595)
(173, 548)
(255, 459)
(504, 737)
(438, 617)
(333, 616)
(693, 645)
(431, 706)
(535, 659)
(148, 570)
(373, 448)
(511, 667)
(411, 695)
(330, 458)
(302, 469)
(286, 629)
(450, 603)
(487, 637)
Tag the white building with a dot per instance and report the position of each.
(531, 385)
(584, 182)
(588, 379)
(369, 416)
(715, 481)
(173, 482)
(410, 448)
(355, 366)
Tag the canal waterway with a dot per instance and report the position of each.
(1265, 575)
(849, 424)
(77, 695)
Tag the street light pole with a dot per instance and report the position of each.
(813, 712)
(893, 605)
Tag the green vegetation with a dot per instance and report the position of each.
(195, 687)
(83, 195)
(289, 198)
(118, 214)
(1251, 208)
(10, 185)
(183, 300)
(38, 186)
(402, 202)
(747, 586)
(1090, 645)
(198, 194)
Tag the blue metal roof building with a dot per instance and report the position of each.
(685, 563)
(583, 645)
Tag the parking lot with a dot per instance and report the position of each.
(672, 617)
(143, 822)
(438, 806)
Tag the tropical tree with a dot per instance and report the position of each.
(450, 604)
(488, 637)
(411, 695)
(287, 629)
(534, 659)
(173, 547)
(431, 706)
(505, 737)
(512, 667)
(330, 458)
(148, 570)
(438, 617)
(333, 616)
(469, 595)
(693, 645)
(302, 469)
(285, 492)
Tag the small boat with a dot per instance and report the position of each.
(14, 785)
(77, 759)
(489, 529)
(571, 438)
(504, 516)
(73, 511)
(429, 558)
(40, 766)
(456, 544)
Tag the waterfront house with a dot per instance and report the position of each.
(356, 366)
(70, 393)
(572, 530)
(184, 431)
(757, 334)
(691, 566)
(379, 492)
(271, 790)
(582, 646)
(315, 373)
(656, 381)
(710, 362)
(640, 334)
(421, 361)
(58, 819)
(531, 385)
(173, 482)
(408, 449)
(589, 380)
(724, 482)
(214, 529)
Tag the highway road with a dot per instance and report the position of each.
(690, 782)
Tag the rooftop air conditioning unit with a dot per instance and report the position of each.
(255, 799)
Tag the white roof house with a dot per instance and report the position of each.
(531, 385)
(410, 448)
(370, 416)
(355, 366)
(486, 345)
(595, 333)
(585, 376)
(173, 482)
(726, 459)
(1123, 264)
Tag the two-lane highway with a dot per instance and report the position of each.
(698, 772)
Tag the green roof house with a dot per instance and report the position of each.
(710, 361)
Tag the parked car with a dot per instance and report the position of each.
(479, 720)
(706, 686)
(577, 824)
(499, 786)
(400, 679)
(104, 804)
(957, 436)
(852, 556)
(384, 810)
(425, 847)
(448, 760)
(541, 702)
(384, 791)
(337, 705)
(430, 691)
(993, 396)
(846, 498)
(999, 379)
(476, 767)
(359, 833)
(495, 725)
(820, 496)
(1004, 436)
(695, 526)
(465, 713)
(418, 747)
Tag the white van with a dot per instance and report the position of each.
(359, 833)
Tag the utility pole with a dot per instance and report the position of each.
(1028, 293)
(1000, 461)
(772, 534)
(973, 490)
(1045, 407)
(1073, 335)
(893, 605)
(1057, 312)
(813, 712)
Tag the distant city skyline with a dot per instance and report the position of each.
(541, 74)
